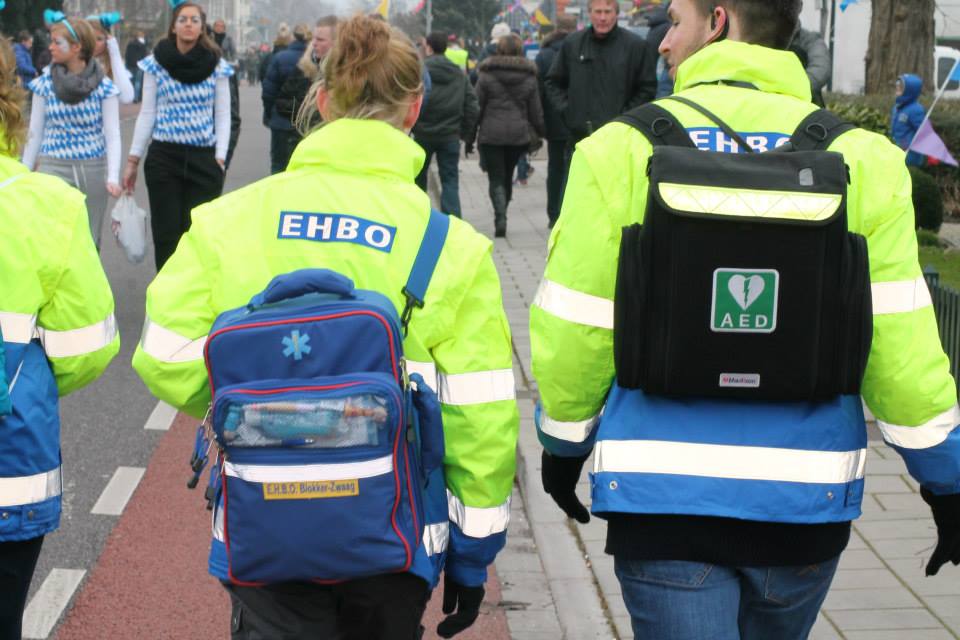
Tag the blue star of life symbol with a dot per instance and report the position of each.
(296, 345)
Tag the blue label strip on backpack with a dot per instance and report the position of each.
(335, 227)
(714, 139)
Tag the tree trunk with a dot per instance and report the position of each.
(901, 41)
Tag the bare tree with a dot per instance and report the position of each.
(901, 41)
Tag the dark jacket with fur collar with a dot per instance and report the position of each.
(509, 99)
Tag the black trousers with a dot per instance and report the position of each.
(386, 607)
(499, 161)
(282, 144)
(557, 168)
(179, 177)
(17, 563)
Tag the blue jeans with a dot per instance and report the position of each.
(676, 600)
(448, 166)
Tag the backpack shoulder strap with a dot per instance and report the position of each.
(818, 131)
(659, 126)
(424, 265)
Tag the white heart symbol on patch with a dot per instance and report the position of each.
(745, 290)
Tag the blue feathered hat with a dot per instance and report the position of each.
(51, 17)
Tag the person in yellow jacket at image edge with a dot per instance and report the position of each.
(360, 164)
(715, 525)
(58, 334)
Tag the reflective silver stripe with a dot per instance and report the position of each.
(478, 522)
(426, 369)
(435, 538)
(901, 296)
(728, 461)
(477, 387)
(574, 306)
(30, 489)
(169, 346)
(12, 179)
(309, 472)
(19, 328)
(218, 522)
(77, 342)
(923, 436)
(570, 431)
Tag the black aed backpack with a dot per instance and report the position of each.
(743, 281)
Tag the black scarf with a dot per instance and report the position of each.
(193, 67)
(73, 88)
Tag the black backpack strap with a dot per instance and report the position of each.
(727, 129)
(818, 131)
(658, 125)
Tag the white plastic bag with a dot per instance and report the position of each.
(132, 230)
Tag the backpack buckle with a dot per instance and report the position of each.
(413, 302)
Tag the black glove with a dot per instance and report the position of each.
(560, 477)
(467, 149)
(468, 598)
(946, 515)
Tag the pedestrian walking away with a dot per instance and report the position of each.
(557, 132)
(21, 48)
(510, 116)
(701, 241)
(283, 135)
(185, 118)
(229, 54)
(450, 115)
(136, 51)
(107, 53)
(361, 566)
(75, 120)
(53, 285)
(599, 73)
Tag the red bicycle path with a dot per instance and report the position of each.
(151, 580)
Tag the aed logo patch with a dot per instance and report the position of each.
(714, 139)
(336, 227)
(744, 300)
(310, 490)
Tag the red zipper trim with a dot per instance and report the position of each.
(396, 480)
(274, 323)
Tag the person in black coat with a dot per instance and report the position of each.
(283, 136)
(557, 132)
(600, 73)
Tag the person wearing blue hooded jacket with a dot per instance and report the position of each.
(283, 137)
(908, 115)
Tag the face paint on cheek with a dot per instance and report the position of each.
(63, 45)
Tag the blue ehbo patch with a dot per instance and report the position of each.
(335, 227)
(714, 139)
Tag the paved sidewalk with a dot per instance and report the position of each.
(558, 583)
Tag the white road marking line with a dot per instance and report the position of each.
(118, 491)
(161, 418)
(49, 602)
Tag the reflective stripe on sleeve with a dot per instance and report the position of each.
(19, 328)
(574, 306)
(218, 523)
(169, 346)
(901, 296)
(923, 436)
(426, 369)
(728, 461)
(309, 472)
(570, 431)
(77, 342)
(478, 522)
(30, 489)
(436, 537)
(477, 387)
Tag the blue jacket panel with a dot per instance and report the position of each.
(25, 68)
(281, 66)
(794, 462)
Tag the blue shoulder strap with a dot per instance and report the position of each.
(423, 266)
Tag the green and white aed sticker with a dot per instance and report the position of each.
(744, 300)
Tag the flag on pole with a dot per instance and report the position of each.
(846, 3)
(384, 9)
(928, 143)
(540, 17)
(419, 7)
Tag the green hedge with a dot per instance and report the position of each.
(873, 113)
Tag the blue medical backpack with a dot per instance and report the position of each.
(323, 452)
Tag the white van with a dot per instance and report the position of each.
(944, 59)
